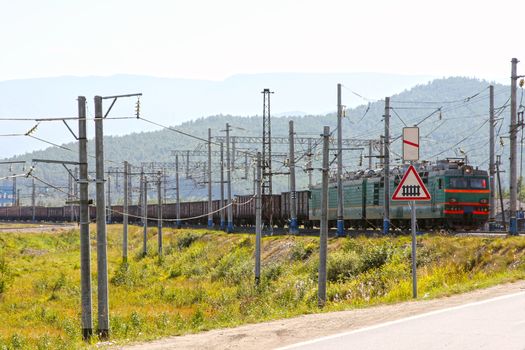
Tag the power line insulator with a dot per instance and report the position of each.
(137, 108)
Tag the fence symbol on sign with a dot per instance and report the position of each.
(410, 190)
(411, 187)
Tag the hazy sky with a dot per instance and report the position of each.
(214, 39)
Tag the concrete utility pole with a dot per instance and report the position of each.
(309, 164)
(109, 200)
(381, 151)
(70, 197)
(229, 188)
(498, 163)
(323, 234)
(159, 212)
(386, 152)
(294, 229)
(233, 151)
(85, 248)
(177, 192)
(130, 186)
(125, 215)
(33, 199)
(513, 227)
(75, 192)
(210, 199)
(340, 201)
(13, 202)
(222, 222)
(145, 216)
(102, 259)
(164, 185)
(187, 164)
(370, 154)
(258, 221)
(492, 167)
(246, 166)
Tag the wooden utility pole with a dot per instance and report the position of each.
(323, 234)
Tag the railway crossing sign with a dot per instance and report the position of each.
(411, 187)
(411, 143)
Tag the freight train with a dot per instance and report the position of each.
(460, 200)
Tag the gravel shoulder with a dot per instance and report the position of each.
(274, 334)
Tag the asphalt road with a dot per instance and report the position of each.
(497, 323)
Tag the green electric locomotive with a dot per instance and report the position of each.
(459, 198)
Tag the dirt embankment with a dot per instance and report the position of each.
(270, 335)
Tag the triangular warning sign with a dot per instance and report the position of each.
(411, 188)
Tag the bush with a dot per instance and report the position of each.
(233, 267)
(186, 240)
(376, 256)
(342, 266)
(301, 252)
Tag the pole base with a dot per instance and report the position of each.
(178, 224)
(340, 228)
(210, 223)
(87, 333)
(230, 227)
(513, 227)
(294, 227)
(103, 334)
(386, 227)
(222, 225)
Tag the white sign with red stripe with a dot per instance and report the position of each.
(411, 143)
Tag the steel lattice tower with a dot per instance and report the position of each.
(267, 144)
(267, 154)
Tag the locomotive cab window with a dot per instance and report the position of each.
(458, 182)
(478, 183)
(440, 184)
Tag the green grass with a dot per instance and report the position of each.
(205, 280)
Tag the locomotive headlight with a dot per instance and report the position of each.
(484, 201)
(453, 200)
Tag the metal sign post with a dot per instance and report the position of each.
(412, 189)
(414, 274)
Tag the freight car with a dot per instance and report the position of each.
(460, 198)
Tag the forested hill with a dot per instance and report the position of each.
(452, 114)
